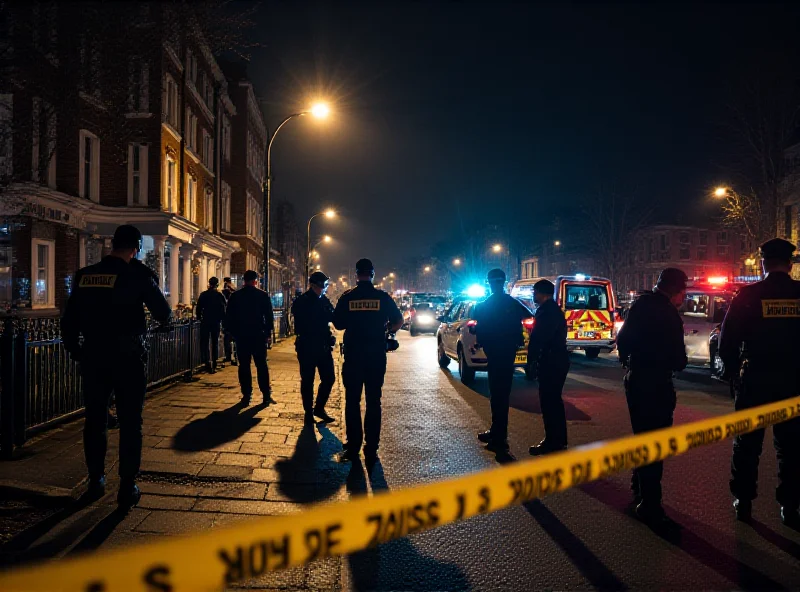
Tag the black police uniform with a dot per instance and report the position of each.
(548, 355)
(106, 308)
(228, 339)
(250, 320)
(758, 344)
(651, 344)
(499, 333)
(363, 313)
(210, 310)
(312, 314)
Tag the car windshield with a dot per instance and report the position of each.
(586, 297)
(424, 307)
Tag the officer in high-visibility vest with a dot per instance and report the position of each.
(759, 349)
(106, 307)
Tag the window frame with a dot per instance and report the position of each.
(93, 193)
(171, 193)
(208, 205)
(142, 150)
(190, 200)
(171, 99)
(225, 213)
(50, 270)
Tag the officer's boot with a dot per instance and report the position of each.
(790, 517)
(96, 488)
(129, 494)
(744, 509)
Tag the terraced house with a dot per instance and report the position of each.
(112, 117)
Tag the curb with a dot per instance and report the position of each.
(10, 489)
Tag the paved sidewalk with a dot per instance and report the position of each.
(207, 461)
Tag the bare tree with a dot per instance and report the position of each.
(763, 118)
(611, 219)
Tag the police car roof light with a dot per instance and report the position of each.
(580, 277)
(717, 280)
(475, 291)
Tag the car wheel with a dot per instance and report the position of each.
(414, 332)
(592, 352)
(466, 372)
(717, 368)
(444, 360)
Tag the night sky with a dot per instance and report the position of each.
(493, 113)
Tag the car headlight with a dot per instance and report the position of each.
(424, 320)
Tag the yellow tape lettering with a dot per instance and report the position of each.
(532, 487)
(157, 578)
(256, 560)
(773, 417)
(581, 472)
(399, 523)
(736, 428)
(703, 437)
(627, 459)
(322, 543)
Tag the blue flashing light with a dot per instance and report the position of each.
(580, 277)
(475, 291)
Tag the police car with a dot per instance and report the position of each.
(704, 309)
(456, 340)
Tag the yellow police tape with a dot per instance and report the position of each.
(210, 560)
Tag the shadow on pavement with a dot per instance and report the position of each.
(788, 546)
(311, 474)
(396, 565)
(695, 540)
(592, 568)
(98, 535)
(217, 428)
(522, 399)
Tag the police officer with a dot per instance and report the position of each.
(227, 289)
(210, 311)
(651, 347)
(250, 320)
(758, 346)
(105, 307)
(549, 362)
(364, 313)
(313, 313)
(499, 332)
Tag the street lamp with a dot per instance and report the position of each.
(427, 268)
(497, 248)
(329, 214)
(320, 111)
(456, 262)
(557, 243)
(391, 275)
(721, 192)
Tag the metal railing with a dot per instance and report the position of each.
(41, 385)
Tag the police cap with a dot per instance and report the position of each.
(777, 248)
(227, 280)
(319, 279)
(127, 237)
(545, 287)
(250, 275)
(496, 275)
(213, 282)
(672, 280)
(364, 266)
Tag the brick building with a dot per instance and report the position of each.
(699, 252)
(117, 114)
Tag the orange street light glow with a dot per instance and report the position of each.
(320, 110)
(720, 192)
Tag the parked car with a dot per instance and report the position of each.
(456, 340)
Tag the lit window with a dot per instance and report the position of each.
(170, 186)
(190, 211)
(209, 208)
(226, 207)
(43, 271)
(137, 174)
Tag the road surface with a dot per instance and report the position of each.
(580, 539)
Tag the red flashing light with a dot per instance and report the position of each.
(472, 323)
(529, 323)
(717, 280)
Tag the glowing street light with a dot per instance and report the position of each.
(327, 239)
(497, 248)
(320, 110)
(427, 268)
(557, 243)
(456, 262)
(391, 275)
(721, 192)
(330, 213)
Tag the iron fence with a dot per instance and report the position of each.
(41, 385)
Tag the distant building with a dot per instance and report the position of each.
(699, 252)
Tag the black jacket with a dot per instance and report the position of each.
(249, 314)
(107, 303)
(652, 336)
(763, 322)
(363, 313)
(499, 323)
(548, 342)
(210, 309)
(312, 314)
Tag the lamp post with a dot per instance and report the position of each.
(329, 213)
(320, 111)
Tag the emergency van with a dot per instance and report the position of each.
(589, 306)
